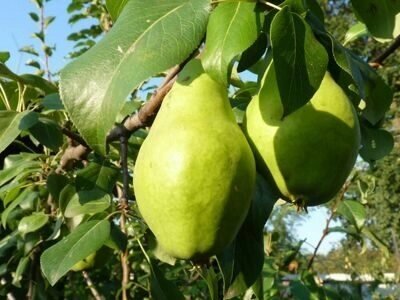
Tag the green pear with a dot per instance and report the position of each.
(195, 172)
(309, 153)
(85, 263)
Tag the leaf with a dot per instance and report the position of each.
(34, 16)
(26, 195)
(33, 222)
(48, 133)
(160, 287)
(21, 268)
(211, 281)
(97, 175)
(118, 240)
(53, 102)
(15, 170)
(4, 56)
(95, 86)
(353, 211)
(300, 60)
(356, 31)
(381, 17)
(375, 143)
(34, 64)
(254, 53)
(11, 125)
(233, 27)
(377, 241)
(242, 262)
(74, 203)
(115, 8)
(55, 184)
(87, 238)
(30, 50)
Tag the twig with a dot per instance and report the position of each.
(91, 286)
(378, 61)
(328, 221)
(43, 29)
(271, 5)
(72, 135)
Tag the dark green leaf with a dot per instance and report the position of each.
(94, 93)
(39, 82)
(26, 195)
(115, 7)
(48, 133)
(34, 16)
(52, 101)
(87, 238)
(97, 175)
(375, 143)
(254, 53)
(4, 56)
(11, 125)
(300, 60)
(233, 27)
(381, 17)
(32, 223)
(118, 240)
(160, 287)
(55, 184)
(34, 64)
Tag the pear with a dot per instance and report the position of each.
(85, 263)
(309, 153)
(195, 172)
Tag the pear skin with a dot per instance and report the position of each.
(195, 172)
(309, 153)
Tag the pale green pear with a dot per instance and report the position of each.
(85, 263)
(309, 153)
(195, 172)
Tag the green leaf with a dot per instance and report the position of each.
(4, 56)
(377, 241)
(375, 143)
(48, 133)
(39, 82)
(55, 184)
(242, 262)
(97, 175)
(115, 8)
(11, 125)
(95, 86)
(53, 102)
(233, 27)
(87, 238)
(300, 60)
(21, 268)
(356, 31)
(74, 203)
(49, 20)
(254, 53)
(30, 50)
(14, 168)
(381, 17)
(118, 240)
(211, 281)
(160, 287)
(27, 195)
(33, 222)
(34, 64)
(353, 211)
(34, 16)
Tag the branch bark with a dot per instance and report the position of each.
(378, 61)
(91, 286)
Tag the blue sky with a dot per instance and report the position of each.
(16, 31)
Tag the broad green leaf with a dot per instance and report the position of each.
(87, 238)
(117, 240)
(34, 16)
(39, 82)
(254, 53)
(48, 133)
(17, 166)
(233, 27)
(160, 287)
(381, 17)
(353, 211)
(115, 7)
(74, 203)
(4, 56)
(242, 262)
(375, 143)
(97, 175)
(55, 184)
(95, 86)
(300, 60)
(351, 230)
(11, 125)
(356, 31)
(33, 222)
(27, 195)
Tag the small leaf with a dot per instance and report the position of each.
(32, 223)
(375, 143)
(27, 195)
(48, 133)
(211, 281)
(49, 20)
(21, 268)
(53, 102)
(11, 125)
(300, 60)
(55, 184)
(34, 64)
(87, 238)
(233, 27)
(353, 211)
(30, 50)
(34, 16)
(356, 31)
(381, 17)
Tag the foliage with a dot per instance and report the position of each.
(64, 183)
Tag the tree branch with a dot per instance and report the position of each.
(91, 286)
(328, 221)
(378, 61)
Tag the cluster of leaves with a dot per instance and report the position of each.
(53, 219)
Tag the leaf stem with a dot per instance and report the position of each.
(271, 5)
(5, 98)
